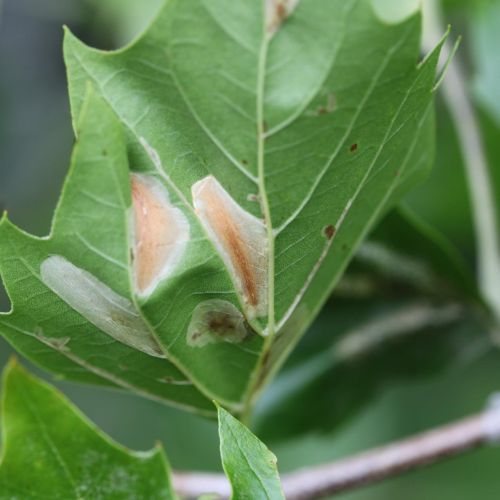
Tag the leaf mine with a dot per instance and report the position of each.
(161, 233)
(98, 304)
(240, 238)
(215, 321)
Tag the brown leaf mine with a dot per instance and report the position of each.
(215, 321)
(241, 240)
(161, 232)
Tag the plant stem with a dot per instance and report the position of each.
(456, 95)
(367, 467)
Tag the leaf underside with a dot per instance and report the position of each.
(313, 122)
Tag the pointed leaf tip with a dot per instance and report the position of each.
(249, 465)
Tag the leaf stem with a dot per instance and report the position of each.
(261, 138)
(261, 131)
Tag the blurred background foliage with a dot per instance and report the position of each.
(339, 393)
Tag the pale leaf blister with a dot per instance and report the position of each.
(98, 304)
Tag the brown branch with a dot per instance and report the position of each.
(195, 484)
(367, 467)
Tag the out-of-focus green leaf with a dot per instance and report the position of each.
(394, 10)
(90, 232)
(50, 450)
(405, 253)
(484, 43)
(491, 132)
(372, 345)
(406, 308)
(127, 17)
(450, 213)
(249, 465)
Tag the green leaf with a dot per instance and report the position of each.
(406, 309)
(404, 253)
(124, 18)
(263, 178)
(485, 39)
(90, 232)
(249, 465)
(370, 347)
(50, 450)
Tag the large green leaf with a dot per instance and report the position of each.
(272, 135)
(406, 309)
(249, 465)
(50, 450)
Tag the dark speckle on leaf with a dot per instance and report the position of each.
(354, 147)
(330, 231)
(281, 12)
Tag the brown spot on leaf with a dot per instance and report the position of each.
(215, 321)
(281, 12)
(353, 148)
(330, 231)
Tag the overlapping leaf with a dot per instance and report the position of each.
(50, 450)
(312, 117)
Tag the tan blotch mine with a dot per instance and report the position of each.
(240, 238)
(161, 233)
(215, 321)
